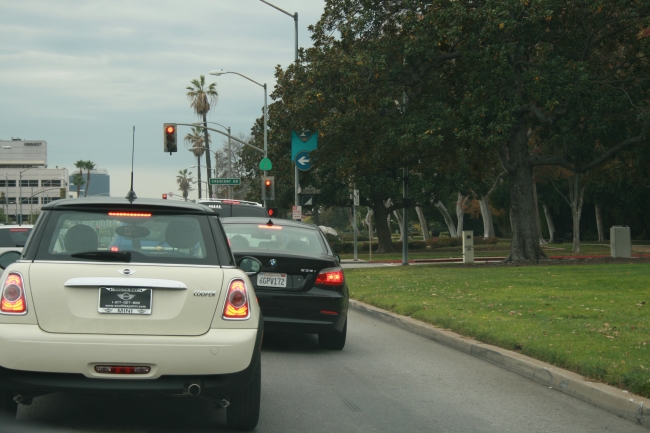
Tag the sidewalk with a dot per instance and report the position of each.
(484, 259)
(619, 402)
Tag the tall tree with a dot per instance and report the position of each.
(184, 181)
(195, 140)
(202, 98)
(88, 165)
(78, 181)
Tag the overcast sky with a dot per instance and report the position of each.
(80, 74)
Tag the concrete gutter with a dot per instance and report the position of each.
(621, 403)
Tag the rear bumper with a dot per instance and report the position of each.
(219, 351)
(35, 383)
(304, 311)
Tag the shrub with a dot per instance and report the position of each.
(443, 242)
(486, 241)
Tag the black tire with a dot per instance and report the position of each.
(333, 340)
(244, 410)
(8, 407)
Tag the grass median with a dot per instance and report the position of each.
(592, 318)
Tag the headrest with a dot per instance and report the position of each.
(80, 238)
(182, 234)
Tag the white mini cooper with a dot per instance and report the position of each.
(164, 311)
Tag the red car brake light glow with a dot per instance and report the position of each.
(13, 295)
(230, 202)
(270, 227)
(236, 306)
(130, 214)
(18, 230)
(330, 277)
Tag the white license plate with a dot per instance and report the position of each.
(269, 279)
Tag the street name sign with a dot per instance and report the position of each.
(225, 181)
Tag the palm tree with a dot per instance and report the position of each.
(78, 181)
(184, 182)
(88, 165)
(196, 139)
(202, 99)
(80, 164)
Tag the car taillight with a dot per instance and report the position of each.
(13, 295)
(236, 306)
(330, 277)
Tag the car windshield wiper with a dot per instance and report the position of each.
(113, 256)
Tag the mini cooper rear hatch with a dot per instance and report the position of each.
(174, 317)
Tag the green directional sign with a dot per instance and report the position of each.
(265, 164)
(225, 181)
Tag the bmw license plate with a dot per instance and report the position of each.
(123, 300)
(269, 279)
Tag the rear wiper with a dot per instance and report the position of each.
(112, 256)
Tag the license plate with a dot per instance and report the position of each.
(268, 279)
(123, 300)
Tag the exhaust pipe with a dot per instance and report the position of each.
(194, 389)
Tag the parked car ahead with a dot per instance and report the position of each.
(177, 320)
(301, 285)
(13, 237)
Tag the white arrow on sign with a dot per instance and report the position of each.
(303, 160)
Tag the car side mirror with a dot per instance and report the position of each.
(338, 257)
(8, 258)
(248, 264)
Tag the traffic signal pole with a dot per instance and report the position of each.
(405, 233)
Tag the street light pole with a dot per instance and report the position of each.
(266, 145)
(295, 21)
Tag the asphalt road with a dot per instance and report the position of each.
(385, 380)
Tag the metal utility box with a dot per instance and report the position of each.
(468, 247)
(620, 244)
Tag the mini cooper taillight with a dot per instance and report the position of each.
(13, 295)
(330, 277)
(237, 306)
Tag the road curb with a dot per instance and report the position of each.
(621, 403)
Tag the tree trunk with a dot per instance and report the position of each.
(450, 223)
(206, 144)
(353, 223)
(549, 223)
(599, 224)
(460, 212)
(87, 183)
(384, 241)
(488, 224)
(576, 195)
(423, 222)
(525, 235)
(542, 241)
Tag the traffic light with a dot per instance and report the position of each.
(268, 188)
(272, 211)
(164, 196)
(170, 137)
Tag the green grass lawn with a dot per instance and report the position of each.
(591, 319)
(498, 250)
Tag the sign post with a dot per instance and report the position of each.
(297, 213)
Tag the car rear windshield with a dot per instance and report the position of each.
(245, 210)
(147, 237)
(286, 238)
(14, 237)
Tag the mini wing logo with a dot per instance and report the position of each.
(125, 296)
(273, 262)
(126, 271)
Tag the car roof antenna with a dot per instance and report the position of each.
(131, 194)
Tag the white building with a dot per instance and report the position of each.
(26, 184)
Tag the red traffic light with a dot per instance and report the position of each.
(164, 196)
(267, 183)
(170, 129)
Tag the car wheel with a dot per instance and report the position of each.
(244, 410)
(8, 407)
(333, 340)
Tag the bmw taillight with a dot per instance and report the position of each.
(330, 277)
(13, 300)
(237, 306)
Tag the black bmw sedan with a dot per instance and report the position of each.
(301, 286)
